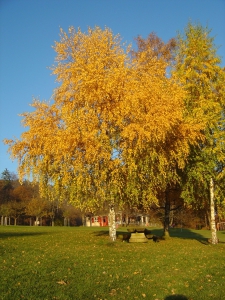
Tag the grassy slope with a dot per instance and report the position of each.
(81, 263)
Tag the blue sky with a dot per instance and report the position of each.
(28, 29)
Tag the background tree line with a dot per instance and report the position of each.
(21, 204)
(129, 126)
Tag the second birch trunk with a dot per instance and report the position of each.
(212, 210)
(112, 223)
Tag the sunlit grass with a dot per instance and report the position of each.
(82, 263)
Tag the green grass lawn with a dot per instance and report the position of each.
(81, 263)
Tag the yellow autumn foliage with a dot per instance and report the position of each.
(116, 129)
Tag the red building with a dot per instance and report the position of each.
(97, 221)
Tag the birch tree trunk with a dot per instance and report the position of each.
(212, 210)
(166, 216)
(112, 223)
(83, 220)
(37, 221)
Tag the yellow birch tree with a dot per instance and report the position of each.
(157, 137)
(116, 131)
(198, 69)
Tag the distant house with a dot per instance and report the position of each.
(97, 221)
(102, 220)
(221, 225)
(138, 219)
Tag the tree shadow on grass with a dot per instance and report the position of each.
(175, 232)
(184, 233)
(176, 297)
(6, 235)
(101, 233)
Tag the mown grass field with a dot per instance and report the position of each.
(81, 263)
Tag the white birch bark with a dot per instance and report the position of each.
(112, 223)
(37, 221)
(212, 210)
